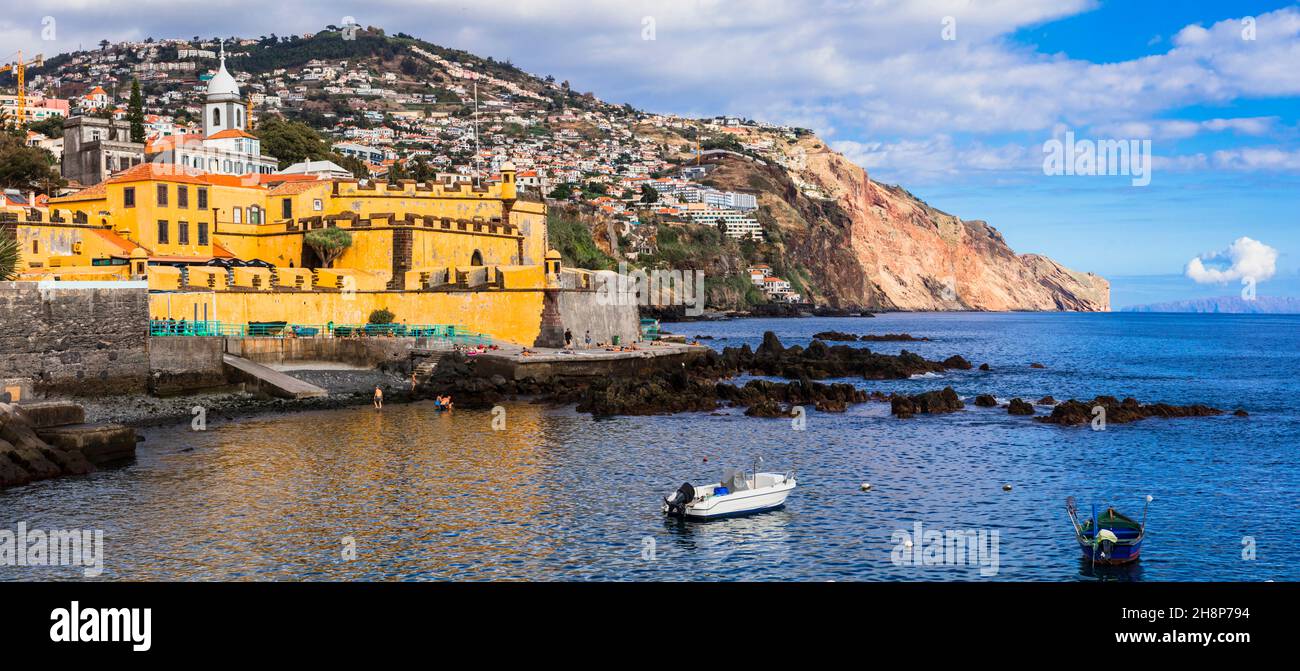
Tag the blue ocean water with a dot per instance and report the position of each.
(557, 495)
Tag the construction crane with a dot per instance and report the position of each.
(19, 68)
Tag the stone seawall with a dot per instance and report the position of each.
(182, 364)
(583, 311)
(76, 338)
(361, 352)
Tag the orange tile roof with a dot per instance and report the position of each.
(162, 172)
(116, 240)
(166, 142)
(221, 252)
(280, 179)
(90, 193)
(230, 132)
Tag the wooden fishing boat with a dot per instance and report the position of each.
(1108, 537)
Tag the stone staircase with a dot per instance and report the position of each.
(425, 369)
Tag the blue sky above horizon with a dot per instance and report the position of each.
(960, 122)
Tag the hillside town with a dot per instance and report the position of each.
(412, 112)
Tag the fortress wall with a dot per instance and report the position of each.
(509, 316)
(78, 338)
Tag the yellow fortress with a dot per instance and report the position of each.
(431, 253)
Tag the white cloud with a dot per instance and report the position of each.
(1245, 258)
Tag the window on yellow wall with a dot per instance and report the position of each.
(203, 198)
(183, 196)
(162, 231)
(183, 232)
(128, 196)
(203, 233)
(238, 214)
(286, 208)
(162, 195)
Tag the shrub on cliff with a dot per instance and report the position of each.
(382, 316)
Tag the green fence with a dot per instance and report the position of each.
(437, 332)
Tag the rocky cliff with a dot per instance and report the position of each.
(861, 243)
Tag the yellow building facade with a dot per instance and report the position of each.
(430, 253)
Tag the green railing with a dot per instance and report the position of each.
(437, 332)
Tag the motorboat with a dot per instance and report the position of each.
(737, 493)
(1110, 537)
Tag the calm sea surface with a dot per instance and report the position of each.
(560, 496)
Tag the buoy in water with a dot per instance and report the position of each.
(1006, 488)
(866, 486)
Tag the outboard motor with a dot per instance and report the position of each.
(676, 504)
(1107, 539)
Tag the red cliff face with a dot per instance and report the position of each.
(878, 246)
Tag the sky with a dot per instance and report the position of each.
(961, 101)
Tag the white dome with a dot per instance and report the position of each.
(222, 84)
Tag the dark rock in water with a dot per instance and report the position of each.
(1037, 365)
(771, 345)
(985, 367)
(768, 408)
(835, 336)
(832, 405)
(704, 337)
(986, 401)
(1241, 412)
(661, 395)
(1019, 407)
(893, 337)
(1047, 400)
(956, 361)
(1075, 413)
(818, 361)
(929, 402)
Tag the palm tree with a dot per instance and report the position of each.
(9, 258)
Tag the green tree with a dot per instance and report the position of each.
(292, 141)
(562, 191)
(135, 112)
(9, 258)
(328, 243)
(648, 194)
(26, 168)
(354, 165)
(51, 127)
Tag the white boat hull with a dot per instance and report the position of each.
(771, 494)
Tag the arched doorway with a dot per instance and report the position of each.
(476, 259)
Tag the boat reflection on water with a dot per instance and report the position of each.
(1110, 573)
(765, 535)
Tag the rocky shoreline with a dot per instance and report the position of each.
(346, 388)
(704, 386)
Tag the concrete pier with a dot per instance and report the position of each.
(270, 380)
(544, 364)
